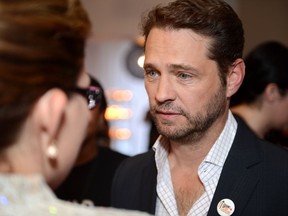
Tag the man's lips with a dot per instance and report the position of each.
(167, 112)
(167, 115)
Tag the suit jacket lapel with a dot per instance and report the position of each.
(238, 178)
(148, 184)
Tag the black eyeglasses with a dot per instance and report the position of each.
(92, 94)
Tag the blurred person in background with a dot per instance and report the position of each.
(44, 104)
(91, 178)
(262, 100)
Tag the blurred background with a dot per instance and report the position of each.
(114, 49)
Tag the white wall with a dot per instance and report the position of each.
(119, 19)
(264, 20)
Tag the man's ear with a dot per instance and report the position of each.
(49, 111)
(235, 76)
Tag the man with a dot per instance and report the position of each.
(205, 162)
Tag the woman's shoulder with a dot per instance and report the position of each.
(30, 195)
(74, 209)
(59, 208)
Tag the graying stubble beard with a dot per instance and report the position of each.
(197, 125)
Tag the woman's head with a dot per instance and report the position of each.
(41, 61)
(266, 64)
(264, 91)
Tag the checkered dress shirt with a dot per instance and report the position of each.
(209, 173)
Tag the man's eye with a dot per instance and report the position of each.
(184, 76)
(151, 73)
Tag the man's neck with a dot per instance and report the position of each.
(192, 154)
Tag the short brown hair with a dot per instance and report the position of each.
(212, 18)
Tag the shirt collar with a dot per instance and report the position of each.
(221, 146)
(219, 151)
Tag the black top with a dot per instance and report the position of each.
(274, 136)
(90, 183)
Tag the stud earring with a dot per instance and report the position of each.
(52, 151)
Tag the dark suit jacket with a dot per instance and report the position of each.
(254, 177)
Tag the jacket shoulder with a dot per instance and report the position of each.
(138, 162)
(134, 184)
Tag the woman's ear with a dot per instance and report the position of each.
(50, 111)
(271, 93)
(235, 76)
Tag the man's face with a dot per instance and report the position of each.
(185, 93)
